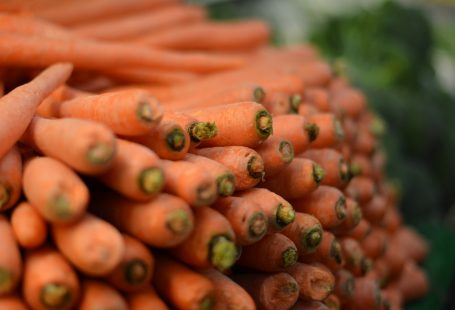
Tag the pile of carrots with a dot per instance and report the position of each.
(152, 159)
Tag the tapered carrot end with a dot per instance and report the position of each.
(151, 180)
(200, 131)
(207, 193)
(223, 252)
(264, 126)
(136, 272)
(4, 195)
(286, 151)
(226, 184)
(179, 222)
(318, 173)
(289, 257)
(175, 140)
(285, 215)
(148, 114)
(257, 227)
(6, 281)
(56, 296)
(258, 94)
(312, 131)
(101, 154)
(294, 103)
(311, 238)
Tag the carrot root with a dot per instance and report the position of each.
(290, 257)
(151, 180)
(318, 173)
(255, 168)
(175, 140)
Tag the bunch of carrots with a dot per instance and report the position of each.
(151, 159)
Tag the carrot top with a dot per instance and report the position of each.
(200, 131)
(264, 126)
(223, 252)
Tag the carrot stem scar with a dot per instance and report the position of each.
(151, 180)
(178, 222)
(200, 131)
(264, 126)
(285, 215)
(100, 154)
(222, 253)
(175, 140)
(55, 296)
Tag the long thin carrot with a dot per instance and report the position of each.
(84, 145)
(61, 196)
(164, 221)
(245, 163)
(367, 295)
(330, 130)
(182, 287)
(28, 225)
(49, 280)
(145, 299)
(13, 302)
(18, 106)
(328, 253)
(104, 241)
(316, 282)
(344, 285)
(306, 233)
(10, 258)
(99, 295)
(296, 129)
(10, 178)
(210, 244)
(49, 106)
(361, 189)
(276, 154)
(353, 217)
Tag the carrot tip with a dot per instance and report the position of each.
(339, 130)
(255, 168)
(60, 207)
(206, 303)
(223, 252)
(151, 180)
(175, 140)
(355, 170)
(340, 208)
(264, 126)
(356, 215)
(312, 131)
(101, 153)
(179, 222)
(147, 114)
(226, 184)
(6, 281)
(287, 151)
(55, 296)
(200, 131)
(289, 257)
(4, 195)
(294, 102)
(136, 272)
(257, 225)
(258, 94)
(311, 238)
(285, 215)
(378, 127)
(318, 173)
(335, 252)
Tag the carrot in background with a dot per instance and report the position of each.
(280, 103)
(375, 209)
(361, 231)
(333, 302)
(361, 165)
(29, 227)
(160, 77)
(328, 253)
(49, 106)
(353, 217)
(99, 295)
(10, 178)
(412, 243)
(18, 106)
(350, 130)
(306, 233)
(296, 129)
(145, 299)
(347, 102)
(276, 154)
(395, 258)
(361, 189)
(13, 302)
(317, 97)
(49, 280)
(306, 110)
(391, 220)
(61, 196)
(356, 262)
(364, 142)
(330, 132)
(391, 298)
(316, 282)
(310, 305)
(344, 285)
(412, 283)
(375, 243)
(379, 272)
(367, 295)
(10, 258)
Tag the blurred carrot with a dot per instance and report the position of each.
(412, 243)
(280, 103)
(361, 231)
(391, 220)
(317, 97)
(333, 302)
(276, 154)
(99, 295)
(296, 129)
(145, 299)
(412, 283)
(375, 243)
(198, 131)
(361, 165)
(347, 102)
(364, 142)
(367, 296)
(12, 302)
(392, 298)
(356, 262)
(350, 130)
(375, 209)
(328, 253)
(330, 131)
(353, 217)
(161, 77)
(307, 110)
(10, 178)
(344, 285)
(380, 272)
(361, 189)
(10, 258)
(306, 233)
(310, 305)
(316, 282)
(29, 227)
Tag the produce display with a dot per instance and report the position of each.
(153, 159)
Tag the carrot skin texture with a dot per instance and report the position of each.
(366, 295)
(329, 253)
(10, 178)
(344, 285)
(13, 302)
(276, 154)
(99, 295)
(145, 299)
(316, 282)
(296, 129)
(29, 227)
(10, 258)
(306, 233)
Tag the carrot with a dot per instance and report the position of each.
(378, 165)
(18, 106)
(245, 163)
(84, 145)
(225, 179)
(326, 203)
(391, 220)
(281, 103)
(182, 287)
(49, 106)
(339, 83)
(335, 167)
(380, 272)
(272, 253)
(10, 178)
(299, 178)
(361, 189)
(412, 283)
(356, 262)
(296, 129)
(333, 302)
(276, 291)
(316, 282)
(344, 285)
(306, 233)
(145, 299)
(168, 140)
(330, 130)
(228, 294)
(276, 154)
(210, 244)
(395, 258)
(353, 217)
(29, 227)
(94, 246)
(185, 179)
(350, 129)
(347, 102)
(375, 243)
(12, 302)
(361, 231)
(361, 165)
(375, 209)
(317, 97)
(99, 295)
(366, 296)
(310, 305)
(306, 110)
(391, 298)
(161, 77)
(279, 212)
(364, 143)
(412, 243)
(243, 123)
(164, 221)
(10, 258)
(315, 73)
(247, 219)
(135, 172)
(49, 280)
(54, 190)
(198, 131)
(328, 253)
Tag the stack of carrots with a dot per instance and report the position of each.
(151, 159)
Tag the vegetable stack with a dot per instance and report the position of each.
(152, 158)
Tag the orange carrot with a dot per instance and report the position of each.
(185, 179)
(276, 154)
(333, 302)
(353, 217)
(350, 129)
(306, 233)
(245, 163)
(375, 209)
(367, 296)
(210, 244)
(198, 131)
(99, 295)
(310, 305)
(412, 243)
(145, 299)
(307, 110)
(356, 262)
(315, 73)
(84, 145)
(228, 294)
(12, 302)
(49, 106)
(339, 83)
(364, 142)
(391, 220)
(380, 272)
(182, 287)
(347, 102)
(316, 282)
(49, 281)
(361, 231)
(378, 165)
(272, 253)
(10, 178)
(280, 213)
(247, 219)
(135, 172)
(361, 189)
(344, 285)
(56, 192)
(277, 291)
(395, 258)
(330, 131)
(29, 227)
(161, 77)
(281, 103)
(375, 243)
(103, 242)
(318, 98)
(391, 298)
(18, 106)
(164, 221)
(10, 258)
(412, 283)
(361, 165)
(329, 253)
(296, 129)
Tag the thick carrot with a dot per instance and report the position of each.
(10, 178)
(367, 296)
(228, 294)
(210, 244)
(301, 177)
(317, 97)
(49, 280)
(375, 209)
(29, 227)
(135, 172)
(344, 285)
(356, 262)
(361, 189)
(145, 299)
(187, 180)
(296, 129)
(18, 106)
(333, 302)
(182, 287)
(391, 220)
(329, 253)
(353, 217)
(56, 191)
(225, 179)
(330, 131)
(84, 145)
(277, 291)
(361, 231)
(245, 163)
(375, 243)
(273, 253)
(412, 283)
(276, 154)
(168, 140)
(280, 213)
(164, 221)
(243, 123)
(94, 246)
(316, 282)
(247, 219)
(10, 258)
(310, 305)
(99, 295)
(412, 243)
(198, 131)
(347, 102)
(12, 302)
(306, 233)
